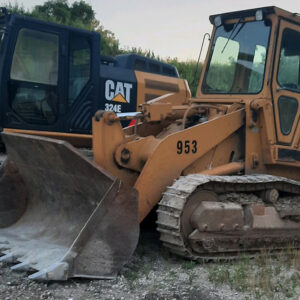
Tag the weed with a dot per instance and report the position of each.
(218, 274)
(137, 271)
(189, 265)
(131, 276)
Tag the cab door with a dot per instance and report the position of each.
(34, 79)
(83, 81)
(286, 83)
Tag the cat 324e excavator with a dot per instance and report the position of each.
(224, 167)
(53, 78)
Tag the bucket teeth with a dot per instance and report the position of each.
(23, 266)
(8, 258)
(57, 271)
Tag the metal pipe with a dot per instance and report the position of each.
(227, 169)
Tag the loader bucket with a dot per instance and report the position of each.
(61, 215)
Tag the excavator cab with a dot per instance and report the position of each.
(47, 71)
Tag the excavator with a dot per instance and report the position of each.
(53, 78)
(221, 169)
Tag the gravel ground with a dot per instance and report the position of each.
(152, 273)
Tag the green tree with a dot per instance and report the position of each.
(15, 8)
(79, 14)
(109, 43)
(189, 71)
(147, 53)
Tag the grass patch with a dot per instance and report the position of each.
(135, 272)
(268, 276)
(189, 265)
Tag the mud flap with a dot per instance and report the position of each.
(61, 214)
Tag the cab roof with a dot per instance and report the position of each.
(267, 10)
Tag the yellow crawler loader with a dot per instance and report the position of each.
(223, 168)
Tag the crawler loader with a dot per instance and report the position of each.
(222, 169)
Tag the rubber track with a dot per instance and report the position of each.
(176, 196)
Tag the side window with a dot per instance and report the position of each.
(287, 108)
(289, 67)
(35, 57)
(79, 67)
(34, 77)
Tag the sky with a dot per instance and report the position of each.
(171, 28)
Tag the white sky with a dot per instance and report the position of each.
(168, 27)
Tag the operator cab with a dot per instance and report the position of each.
(255, 54)
(46, 72)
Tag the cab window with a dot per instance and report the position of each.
(36, 57)
(79, 67)
(34, 77)
(238, 60)
(287, 107)
(289, 66)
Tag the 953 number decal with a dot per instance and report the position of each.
(185, 147)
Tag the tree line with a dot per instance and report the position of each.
(81, 15)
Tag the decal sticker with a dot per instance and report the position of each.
(187, 147)
(117, 91)
(113, 107)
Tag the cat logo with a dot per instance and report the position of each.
(117, 91)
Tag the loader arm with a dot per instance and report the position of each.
(163, 160)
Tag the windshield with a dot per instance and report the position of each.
(2, 30)
(237, 63)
